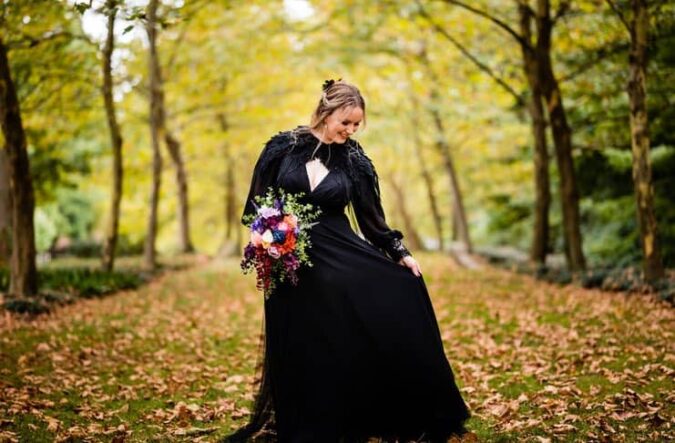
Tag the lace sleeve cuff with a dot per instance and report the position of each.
(397, 250)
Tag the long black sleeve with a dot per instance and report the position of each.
(368, 209)
(266, 170)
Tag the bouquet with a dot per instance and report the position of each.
(279, 239)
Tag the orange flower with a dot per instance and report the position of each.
(291, 220)
(289, 243)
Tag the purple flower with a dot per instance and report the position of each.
(249, 251)
(267, 212)
(291, 261)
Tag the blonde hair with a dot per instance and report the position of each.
(336, 95)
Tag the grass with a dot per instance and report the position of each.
(535, 361)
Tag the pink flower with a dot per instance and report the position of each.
(256, 238)
(283, 226)
(273, 252)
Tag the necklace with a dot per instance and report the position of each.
(319, 138)
(317, 148)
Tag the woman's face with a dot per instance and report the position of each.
(341, 124)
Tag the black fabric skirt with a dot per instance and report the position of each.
(353, 351)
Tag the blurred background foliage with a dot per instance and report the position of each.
(235, 73)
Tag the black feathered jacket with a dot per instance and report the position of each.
(364, 189)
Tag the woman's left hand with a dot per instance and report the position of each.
(410, 262)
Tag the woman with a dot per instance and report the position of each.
(354, 350)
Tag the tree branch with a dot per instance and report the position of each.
(481, 66)
(619, 14)
(600, 54)
(508, 29)
(562, 10)
(28, 41)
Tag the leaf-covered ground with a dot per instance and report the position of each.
(174, 360)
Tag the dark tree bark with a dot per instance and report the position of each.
(23, 274)
(110, 243)
(542, 186)
(5, 211)
(638, 28)
(156, 119)
(414, 241)
(562, 139)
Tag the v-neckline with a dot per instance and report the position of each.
(309, 182)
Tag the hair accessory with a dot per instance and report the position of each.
(328, 83)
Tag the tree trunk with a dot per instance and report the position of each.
(542, 186)
(542, 182)
(110, 244)
(642, 175)
(230, 246)
(562, 139)
(231, 225)
(413, 238)
(455, 228)
(174, 148)
(156, 128)
(5, 211)
(426, 175)
(458, 218)
(23, 274)
(429, 186)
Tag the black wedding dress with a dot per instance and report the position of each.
(354, 350)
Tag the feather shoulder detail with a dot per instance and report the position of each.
(361, 166)
(275, 148)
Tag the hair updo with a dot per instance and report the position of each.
(336, 95)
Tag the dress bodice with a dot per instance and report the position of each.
(351, 180)
(331, 194)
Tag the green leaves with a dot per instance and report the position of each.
(82, 7)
